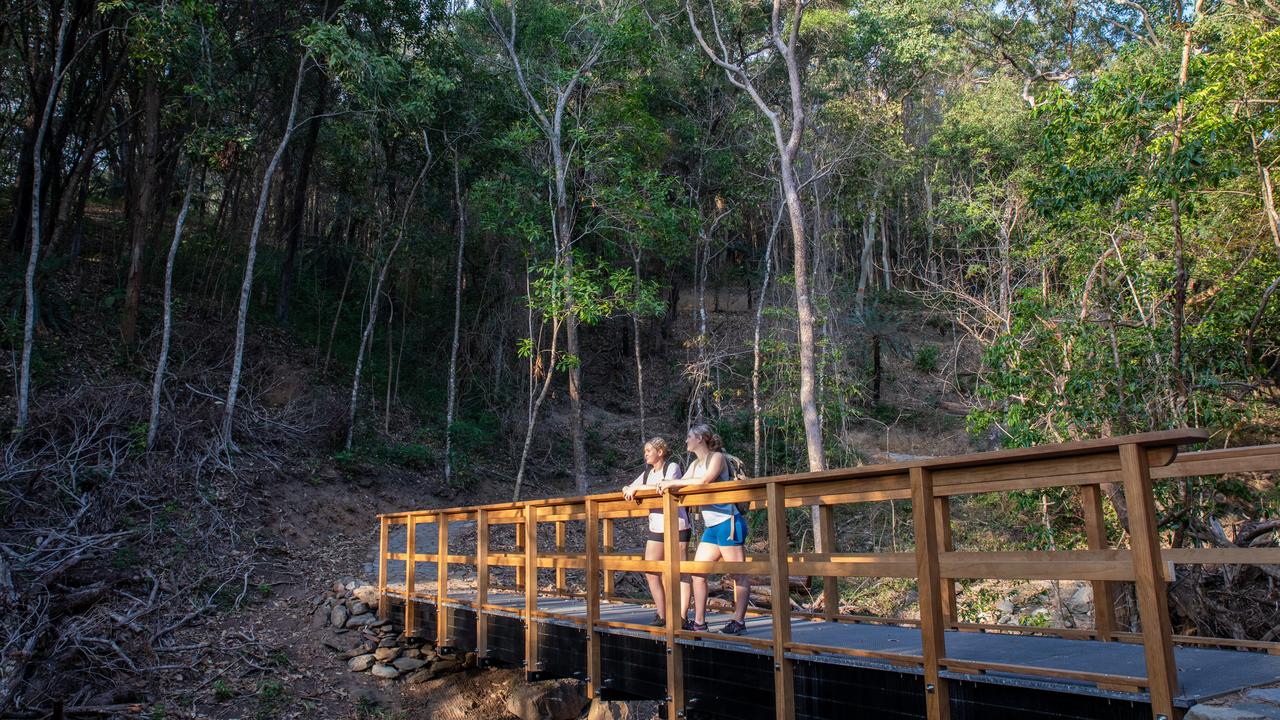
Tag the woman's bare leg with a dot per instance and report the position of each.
(707, 552)
(741, 583)
(653, 551)
(686, 590)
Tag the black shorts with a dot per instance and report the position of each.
(659, 537)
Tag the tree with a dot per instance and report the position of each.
(787, 124)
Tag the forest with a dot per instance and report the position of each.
(482, 250)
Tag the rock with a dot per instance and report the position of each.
(411, 653)
(361, 620)
(338, 616)
(337, 587)
(419, 677)
(469, 660)
(601, 710)
(1239, 712)
(386, 672)
(548, 700)
(1083, 596)
(359, 608)
(367, 594)
(408, 664)
(360, 663)
(1005, 607)
(350, 584)
(443, 665)
(320, 617)
(357, 651)
(1266, 695)
(387, 642)
(386, 655)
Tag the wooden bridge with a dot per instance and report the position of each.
(794, 664)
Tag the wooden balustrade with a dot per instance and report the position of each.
(1131, 462)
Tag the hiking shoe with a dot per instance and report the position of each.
(733, 627)
(658, 621)
(694, 626)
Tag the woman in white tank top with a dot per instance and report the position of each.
(660, 467)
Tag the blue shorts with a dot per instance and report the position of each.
(719, 534)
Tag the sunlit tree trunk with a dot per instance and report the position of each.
(166, 330)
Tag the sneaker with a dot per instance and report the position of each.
(694, 626)
(733, 627)
(658, 621)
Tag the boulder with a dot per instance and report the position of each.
(360, 663)
(359, 608)
(387, 642)
(320, 616)
(1225, 712)
(443, 665)
(386, 655)
(548, 700)
(1005, 607)
(357, 651)
(408, 664)
(419, 677)
(361, 620)
(601, 710)
(367, 594)
(338, 616)
(384, 671)
(1266, 695)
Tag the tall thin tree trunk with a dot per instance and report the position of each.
(293, 226)
(144, 212)
(342, 296)
(37, 178)
(866, 261)
(535, 403)
(365, 338)
(1175, 209)
(246, 286)
(635, 332)
(757, 421)
(461, 228)
(162, 364)
(886, 271)
(391, 341)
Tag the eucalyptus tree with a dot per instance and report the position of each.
(743, 60)
(552, 51)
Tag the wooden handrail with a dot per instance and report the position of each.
(1134, 461)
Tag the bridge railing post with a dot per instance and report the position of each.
(443, 636)
(1104, 594)
(482, 583)
(675, 654)
(942, 516)
(561, 586)
(1153, 598)
(384, 526)
(593, 598)
(826, 544)
(531, 664)
(410, 568)
(780, 599)
(929, 585)
(606, 538)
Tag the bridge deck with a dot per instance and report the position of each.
(1203, 673)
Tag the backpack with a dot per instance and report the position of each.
(649, 468)
(737, 473)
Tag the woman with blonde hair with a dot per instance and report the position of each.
(726, 535)
(660, 467)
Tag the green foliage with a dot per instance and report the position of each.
(926, 359)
